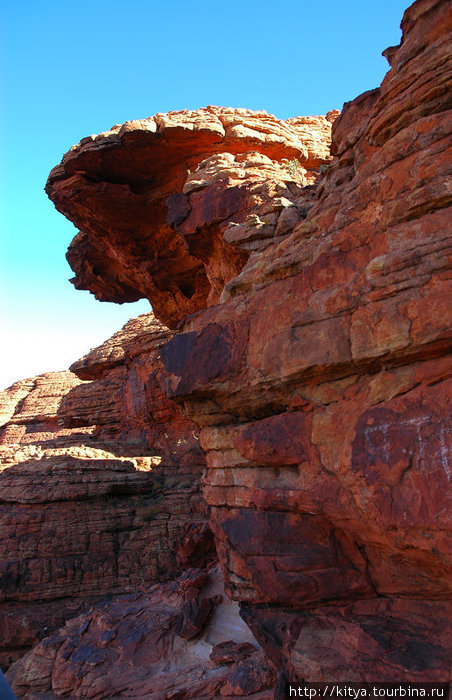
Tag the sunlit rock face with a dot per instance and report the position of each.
(99, 486)
(310, 287)
(322, 382)
(159, 201)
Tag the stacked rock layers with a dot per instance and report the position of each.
(311, 289)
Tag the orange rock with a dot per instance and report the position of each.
(296, 286)
(349, 503)
(131, 645)
(160, 201)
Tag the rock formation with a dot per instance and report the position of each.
(310, 287)
(174, 640)
(329, 448)
(99, 486)
(159, 200)
(100, 478)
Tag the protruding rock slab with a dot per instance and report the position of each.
(154, 197)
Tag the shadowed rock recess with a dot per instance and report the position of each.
(306, 382)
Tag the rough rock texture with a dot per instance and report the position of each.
(158, 200)
(132, 647)
(99, 486)
(326, 413)
(319, 362)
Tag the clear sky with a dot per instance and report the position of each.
(70, 69)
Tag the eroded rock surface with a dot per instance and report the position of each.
(326, 416)
(132, 647)
(314, 351)
(159, 201)
(99, 486)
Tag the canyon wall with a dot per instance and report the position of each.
(108, 565)
(99, 486)
(308, 281)
(326, 418)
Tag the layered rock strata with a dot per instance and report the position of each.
(329, 444)
(326, 416)
(99, 486)
(159, 201)
(314, 348)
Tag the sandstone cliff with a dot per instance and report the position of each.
(100, 495)
(310, 287)
(98, 479)
(159, 200)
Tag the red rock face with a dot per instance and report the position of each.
(316, 354)
(137, 645)
(99, 487)
(329, 452)
(155, 200)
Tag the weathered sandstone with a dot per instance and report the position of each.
(133, 646)
(313, 350)
(326, 415)
(156, 200)
(99, 487)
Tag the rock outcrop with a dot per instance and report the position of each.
(159, 201)
(183, 639)
(99, 487)
(329, 448)
(311, 290)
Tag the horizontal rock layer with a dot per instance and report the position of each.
(99, 486)
(314, 351)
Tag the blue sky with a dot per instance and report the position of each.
(70, 69)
